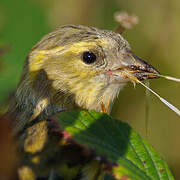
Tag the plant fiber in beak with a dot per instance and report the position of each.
(140, 68)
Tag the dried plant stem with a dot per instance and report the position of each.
(170, 78)
(147, 107)
(134, 79)
(172, 107)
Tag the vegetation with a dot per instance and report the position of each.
(156, 38)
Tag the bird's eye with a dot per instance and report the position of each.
(89, 57)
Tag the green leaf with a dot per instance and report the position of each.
(116, 141)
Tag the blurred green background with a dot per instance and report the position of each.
(156, 38)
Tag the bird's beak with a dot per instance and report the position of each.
(137, 67)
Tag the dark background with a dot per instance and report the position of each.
(156, 38)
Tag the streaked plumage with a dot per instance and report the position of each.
(55, 78)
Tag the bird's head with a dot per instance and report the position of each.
(80, 66)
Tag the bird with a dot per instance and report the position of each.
(73, 67)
